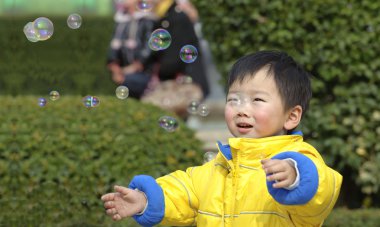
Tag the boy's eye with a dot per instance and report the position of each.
(233, 101)
(258, 100)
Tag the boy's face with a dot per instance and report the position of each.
(254, 108)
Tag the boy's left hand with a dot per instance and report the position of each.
(280, 171)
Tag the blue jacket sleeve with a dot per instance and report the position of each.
(155, 210)
(308, 184)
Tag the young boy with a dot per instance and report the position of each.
(266, 176)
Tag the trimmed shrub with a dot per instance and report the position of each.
(56, 161)
(353, 218)
(71, 61)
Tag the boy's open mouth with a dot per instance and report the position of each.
(244, 125)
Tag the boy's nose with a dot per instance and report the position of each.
(242, 114)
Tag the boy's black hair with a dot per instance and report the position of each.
(292, 81)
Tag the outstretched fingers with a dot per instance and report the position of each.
(108, 197)
(116, 217)
(111, 211)
(122, 190)
(109, 205)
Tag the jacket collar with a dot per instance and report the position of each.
(249, 150)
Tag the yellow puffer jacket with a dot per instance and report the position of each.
(233, 191)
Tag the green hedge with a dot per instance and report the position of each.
(353, 218)
(338, 41)
(71, 61)
(56, 161)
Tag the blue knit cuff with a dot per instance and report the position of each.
(308, 184)
(155, 210)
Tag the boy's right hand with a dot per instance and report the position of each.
(124, 202)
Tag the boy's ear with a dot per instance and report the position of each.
(293, 117)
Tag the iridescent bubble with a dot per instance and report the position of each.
(122, 92)
(188, 53)
(239, 101)
(170, 124)
(160, 39)
(144, 5)
(44, 28)
(42, 102)
(203, 110)
(74, 21)
(208, 156)
(54, 95)
(90, 101)
(192, 108)
(30, 32)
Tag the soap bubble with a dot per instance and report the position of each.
(44, 28)
(90, 101)
(192, 108)
(160, 39)
(188, 53)
(144, 5)
(208, 156)
(122, 92)
(170, 124)
(42, 102)
(74, 21)
(30, 32)
(54, 95)
(203, 110)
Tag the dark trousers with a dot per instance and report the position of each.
(136, 83)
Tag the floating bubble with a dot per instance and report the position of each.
(54, 95)
(170, 124)
(188, 53)
(74, 21)
(90, 101)
(160, 39)
(238, 101)
(42, 102)
(144, 5)
(122, 92)
(167, 102)
(208, 156)
(44, 28)
(203, 110)
(165, 24)
(30, 32)
(192, 108)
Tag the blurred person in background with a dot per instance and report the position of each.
(178, 18)
(153, 75)
(129, 52)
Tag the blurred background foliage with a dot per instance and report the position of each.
(56, 161)
(337, 41)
